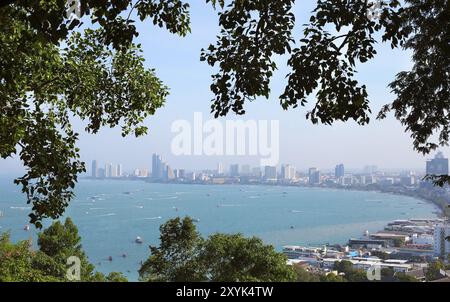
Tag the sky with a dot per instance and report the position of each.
(302, 144)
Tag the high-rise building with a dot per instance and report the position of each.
(339, 171)
(119, 170)
(108, 170)
(270, 173)
(113, 170)
(234, 170)
(408, 180)
(288, 172)
(94, 172)
(157, 166)
(219, 169)
(191, 176)
(438, 165)
(256, 172)
(441, 245)
(245, 170)
(143, 173)
(314, 176)
(169, 173)
(101, 173)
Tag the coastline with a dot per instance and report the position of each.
(441, 211)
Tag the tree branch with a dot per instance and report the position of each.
(6, 2)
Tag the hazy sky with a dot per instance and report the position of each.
(176, 60)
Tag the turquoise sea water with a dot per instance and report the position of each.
(111, 213)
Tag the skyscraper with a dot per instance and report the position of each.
(101, 173)
(438, 165)
(339, 171)
(113, 170)
(287, 172)
(245, 170)
(119, 170)
(256, 172)
(234, 170)
(219, 169)
(169, 173)
(270, 173)
(108, 170)
(314, 176)
(157, 166)
(94, 172)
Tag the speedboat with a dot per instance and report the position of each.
(138, 240)
(26, 228)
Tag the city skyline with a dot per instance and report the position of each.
(438, 165)
(284, 173)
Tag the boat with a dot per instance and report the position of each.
(196, 220)
(110, 258)
(138, 240)
(26, 228)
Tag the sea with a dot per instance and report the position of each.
(111, 214)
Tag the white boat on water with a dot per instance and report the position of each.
(26, 228)
(139, 240)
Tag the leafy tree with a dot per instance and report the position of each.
(332, 278)
(116, 277)
(380, 254)
(340, 35)
(61, 241)
(356, 275)
(343, 266)
(17, 262)
(304, 276)
(402, 277)
(398, 242)
(387, 274)
(231, 258)
(350, 274)
(111, 277)
(91, 75)
(184, 255)
(20, 263)
(176, 259)
(433, 270)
